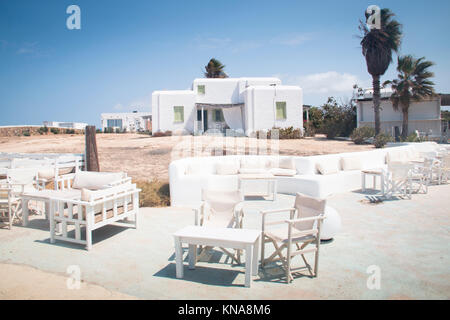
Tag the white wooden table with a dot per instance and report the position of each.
(261, 177)
(374, 173)
(241, 239)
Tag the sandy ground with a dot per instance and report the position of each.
(144, 157)
(27, 283)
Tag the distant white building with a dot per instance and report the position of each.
(65, 125)
(130, 122)
(242, 104)
(424, 116)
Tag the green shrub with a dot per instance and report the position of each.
(54, 130)
(117, 130)
(70, 131)
(98, 131)
(310, 130)
(108, 130)
(154, 193)
(283, 133)
(43, 130)
(26, 133)
(339, 119)
(381, 140)
(360, 135)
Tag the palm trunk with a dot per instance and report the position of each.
(376, 102)
(405, 123)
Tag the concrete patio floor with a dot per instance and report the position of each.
(407, 239)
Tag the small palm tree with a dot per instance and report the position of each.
(412, 84)
(214, 69)
(377, 47)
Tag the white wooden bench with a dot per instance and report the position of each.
(102, 207)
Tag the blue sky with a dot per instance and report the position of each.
(127, 49)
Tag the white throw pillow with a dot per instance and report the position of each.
(46, 173)
(327, 167)
(227, 167)
(286, 163)
(283, 172)
(95, 180)
(351, 163)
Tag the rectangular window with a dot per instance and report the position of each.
(201, 89)
(217, 115)
(112, 123)
(281, 110)
(178, 114)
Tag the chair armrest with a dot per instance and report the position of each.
(292, 221)
(265, 212)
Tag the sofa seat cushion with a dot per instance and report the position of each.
(252, 170)
(95, 180)
(283, 172)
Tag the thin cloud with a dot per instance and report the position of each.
(27, 48)
(291, 40)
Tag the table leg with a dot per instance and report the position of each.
(255, 256)
(52, 223)
(192, 256)
(363, 182)
(178, 257)
(248, 264)
(374, 182)
(47, 209)
(383, 192)
(274, 186)
(24, 212)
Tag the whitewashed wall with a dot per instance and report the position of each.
(423, 116)
(260, 107)
(163, 111)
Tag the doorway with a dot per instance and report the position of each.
(205, 118)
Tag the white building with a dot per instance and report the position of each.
(424, 116)
(245, 105)
(130, 122)
(65, 125)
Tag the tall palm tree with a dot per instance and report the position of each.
(214, 69)
(377, 47)
(412, 84)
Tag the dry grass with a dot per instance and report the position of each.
(154, 193)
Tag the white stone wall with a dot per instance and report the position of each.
(163, 111)
(423, 116)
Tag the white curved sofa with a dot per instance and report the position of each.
(188, 176)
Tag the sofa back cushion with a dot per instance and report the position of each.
(286, 163)
(255, 163)
(327, 166)
(227, 167)
(95, 180)
(397, 155)
(351, 163)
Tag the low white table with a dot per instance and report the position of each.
(374, 173)
(241, 239)
(261, 177)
